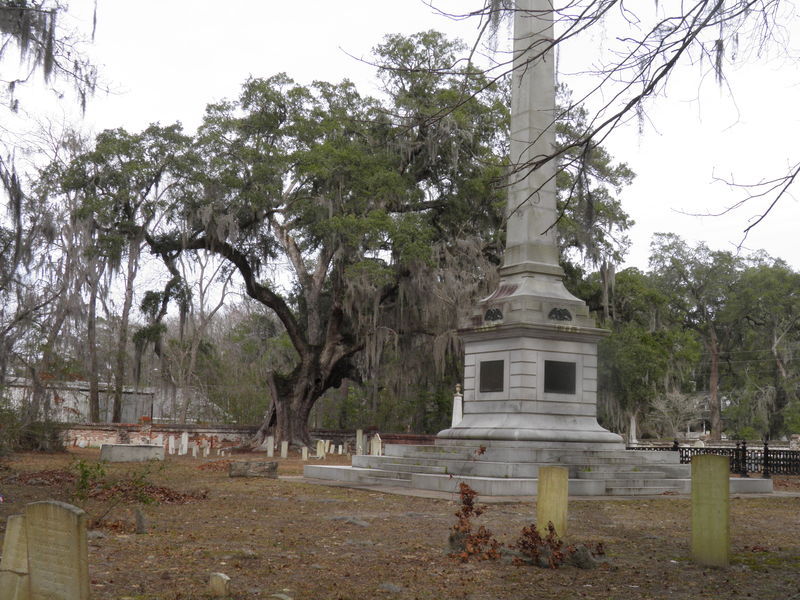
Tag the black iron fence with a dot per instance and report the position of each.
(744, 459)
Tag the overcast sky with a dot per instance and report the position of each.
(166, 59)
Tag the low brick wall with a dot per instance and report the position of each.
(213, 436)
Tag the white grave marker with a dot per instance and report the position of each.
(284, 449)
(58, 560)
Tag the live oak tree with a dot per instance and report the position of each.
(341, 214)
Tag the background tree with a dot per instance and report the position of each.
(764, 306)
(699, 282)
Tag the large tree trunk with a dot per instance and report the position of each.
(715, 410)
(294, 395)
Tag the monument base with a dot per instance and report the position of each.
(532, 383)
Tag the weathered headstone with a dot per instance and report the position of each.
(284, 449)
(184, 447)
(140, 521)
(218, 585)
(320, 449)
(551, 499)
(270, 446)
(159, 440)
(304, 453)
(253, 468)
(359, 441)
(327, 446)
(57, 551)
(207, 450)
(376, 446)
(340, 449)
(710, 510)
(194, 450)
(171, 444)
(14, 580)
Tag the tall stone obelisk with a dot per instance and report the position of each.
(531, 347)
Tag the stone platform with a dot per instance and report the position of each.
(511, 469)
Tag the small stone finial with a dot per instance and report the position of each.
(458, 389)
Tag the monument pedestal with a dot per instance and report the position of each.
(532, 383)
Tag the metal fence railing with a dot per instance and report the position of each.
(744, 460)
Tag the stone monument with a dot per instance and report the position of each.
(530, 373)
(531, 347)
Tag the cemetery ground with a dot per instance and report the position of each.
(286, 538)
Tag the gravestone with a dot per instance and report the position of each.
(327, 446)
(376, 446)
(284, 449)
(320, 449)
(159, 440)
(304, 453)
(171, 444)
(184, 447)
(253, 468)
(270, 446)
(218, 585)
(14, 579)
(340, 449)
(194, 450)
(57, 551)
(711, 510)
(551, 499)
(359, 441)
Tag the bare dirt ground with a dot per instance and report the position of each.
(287, 538)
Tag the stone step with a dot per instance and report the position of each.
(406, 468)
(465, 453)
(482, 468)
(385, 473)
(637, 491)
(610, 475)
(383, 481)
(641, 483)
(474, 468)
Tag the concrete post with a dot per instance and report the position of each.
(710, 510)
(551, 499)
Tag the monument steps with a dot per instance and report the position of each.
(638, 491)
(508, 470)
(407, 468)
(631, 475)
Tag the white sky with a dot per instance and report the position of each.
(166, 59)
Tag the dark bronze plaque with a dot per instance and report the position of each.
(559, 377)
(491, 376)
